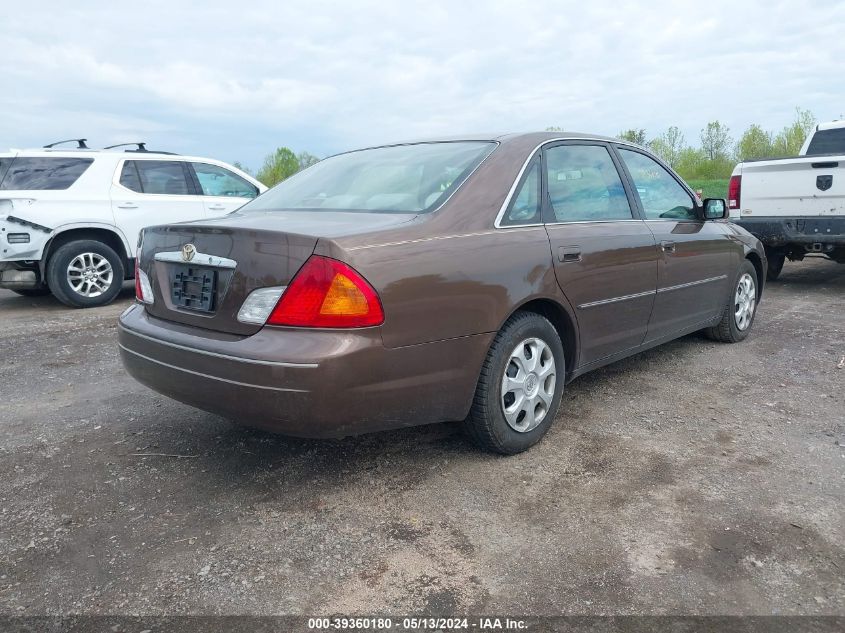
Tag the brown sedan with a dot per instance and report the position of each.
(464, 279)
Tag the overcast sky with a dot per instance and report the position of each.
(234, 80)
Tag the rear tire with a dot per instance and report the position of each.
(775, 265)
(520, 386)
(85, 274)
(32, 292)
(740, 309)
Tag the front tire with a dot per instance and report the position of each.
(740, 309)
(85, 274)
(775, 265)
(520, 386)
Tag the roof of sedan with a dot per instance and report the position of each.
(540, 136)
(537, 137)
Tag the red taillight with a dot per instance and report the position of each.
(143, 289)
(139, 295)
(734, 190)
(328, 293)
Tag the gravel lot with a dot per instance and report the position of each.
(694, 478)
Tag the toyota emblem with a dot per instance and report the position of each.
(188, 252)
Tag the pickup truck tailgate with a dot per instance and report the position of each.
(806, 186)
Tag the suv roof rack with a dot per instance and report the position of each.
(142, 148)
(79, 141)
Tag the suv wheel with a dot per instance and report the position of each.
(85, 273)
(740, 309)
(520, 386)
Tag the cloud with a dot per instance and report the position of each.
(236, 81)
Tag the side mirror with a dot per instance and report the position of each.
(715, 209)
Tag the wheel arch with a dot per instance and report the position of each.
(561, 319)
(107, 235)
(757, 262)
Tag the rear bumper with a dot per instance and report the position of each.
(308, 383)
(806, 231)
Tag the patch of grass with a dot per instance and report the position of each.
(710, 188)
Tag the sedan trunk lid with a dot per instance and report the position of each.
(201, 272)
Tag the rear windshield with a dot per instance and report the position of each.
(398, 179)
(43, 173)
(827, 142)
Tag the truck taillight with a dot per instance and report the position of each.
(328, 293)
(734, 189)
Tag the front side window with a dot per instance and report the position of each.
(157, 176)
(216, 181)
(660, 194)
(413, 178)
(525, 205)
(44, 173)
(584, 185)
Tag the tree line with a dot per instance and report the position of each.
(280, 165)
(713, 159)
(717, 153)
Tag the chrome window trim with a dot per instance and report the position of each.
(203, 259)
(593, 221)
(695, 220)
(497, 223)
(239, 359)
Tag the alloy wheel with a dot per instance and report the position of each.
(90, 274)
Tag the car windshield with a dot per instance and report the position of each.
(397, 179)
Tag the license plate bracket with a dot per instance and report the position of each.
(192, 287)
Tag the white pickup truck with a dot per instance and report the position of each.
(795, 206)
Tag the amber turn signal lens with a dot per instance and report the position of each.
(328, 293)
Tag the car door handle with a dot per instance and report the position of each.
(667, 246)
(216, 207)
(127, 205)
(569, 254)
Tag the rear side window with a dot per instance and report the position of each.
(584, 185)
(155, 176)
(43, 174)
(827, 142)
(129, 176)
(525, 206)
(216, 181)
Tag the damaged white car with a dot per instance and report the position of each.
(70, 218)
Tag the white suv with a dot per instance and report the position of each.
(70, 218)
